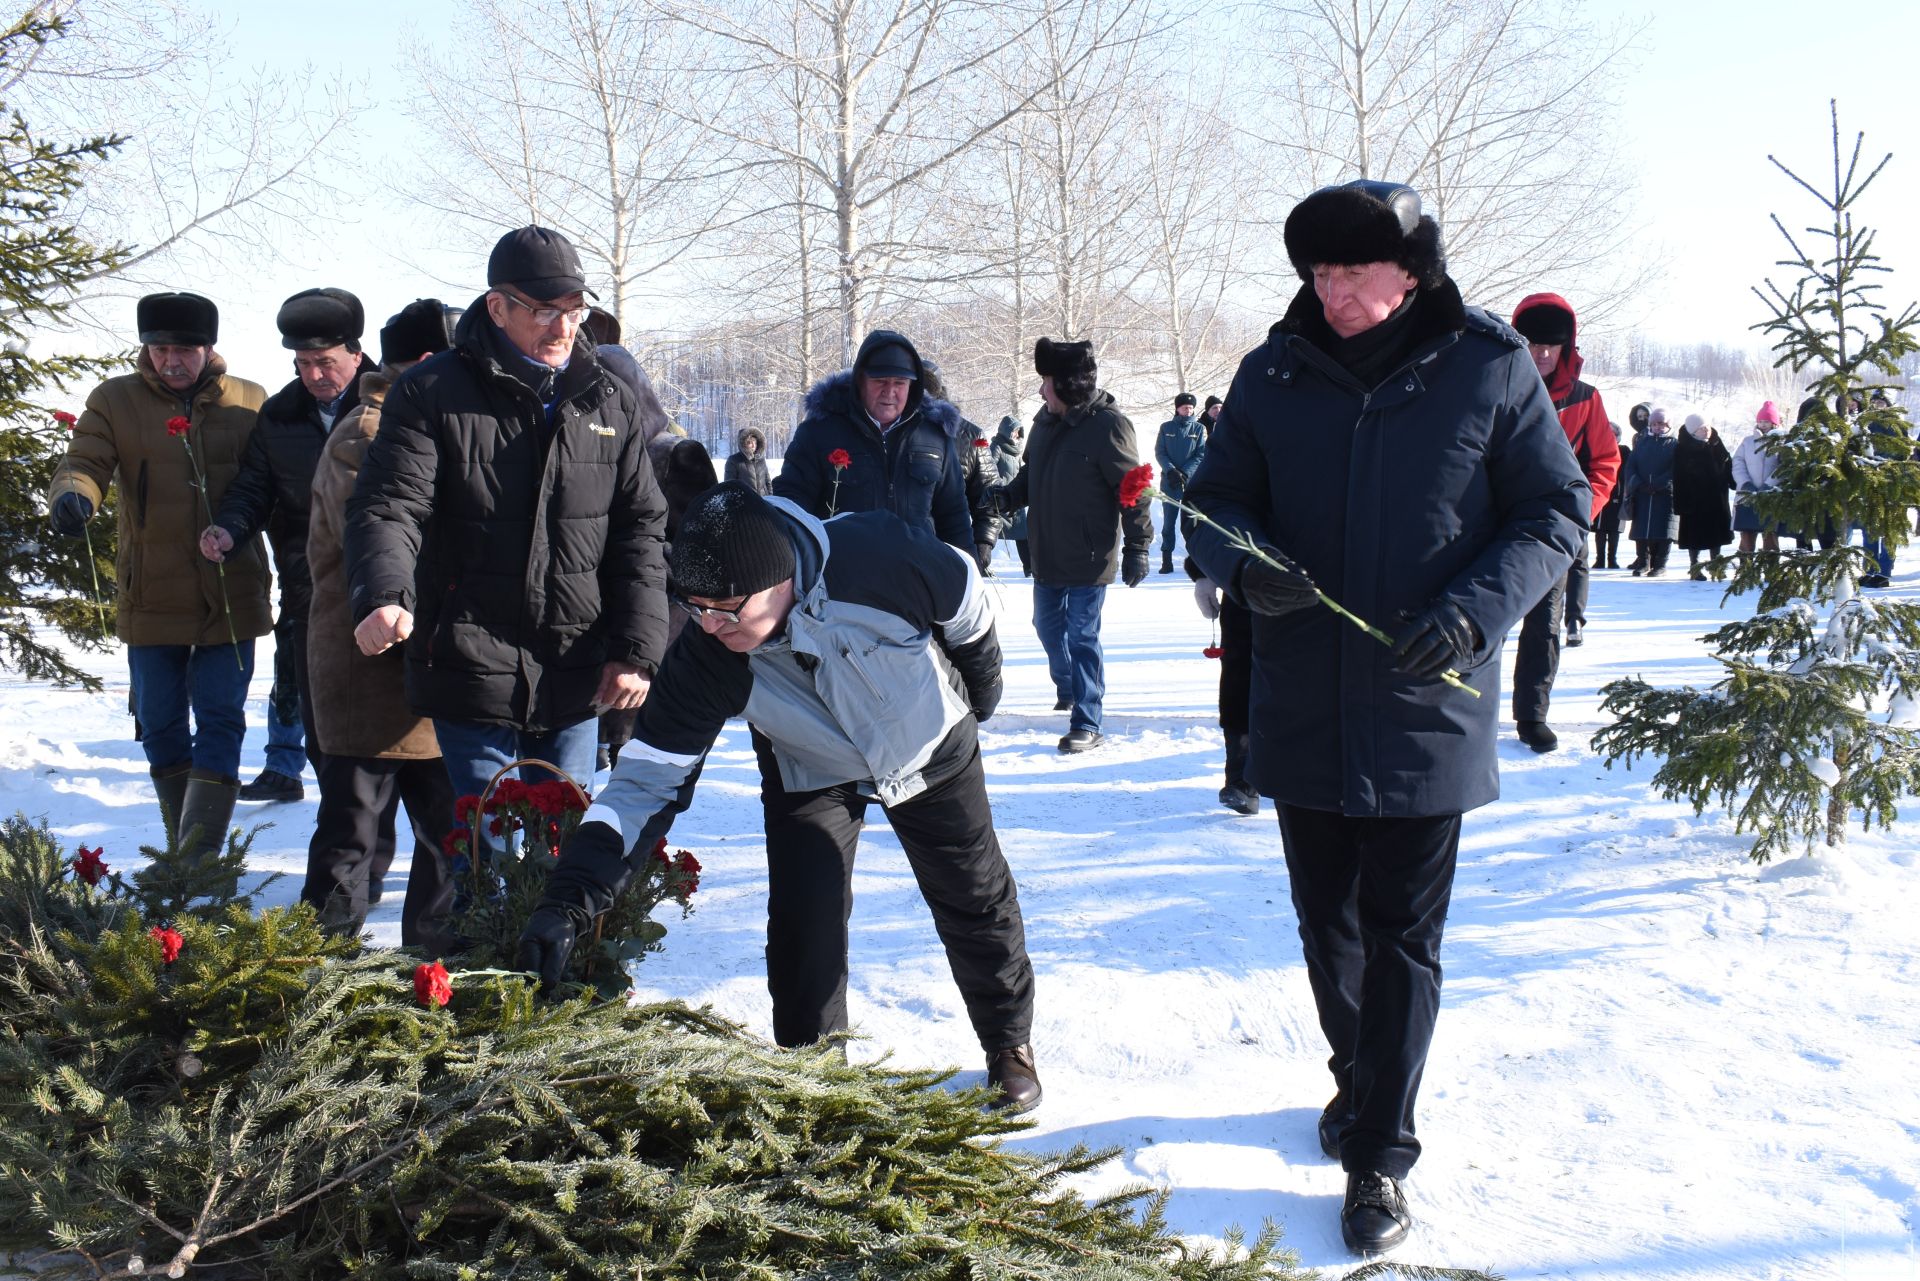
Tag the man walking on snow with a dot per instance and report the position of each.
(1395, 448)
(1548, 324)
(802, 624)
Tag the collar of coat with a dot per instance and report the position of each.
(1438, 312)
(836, 394)
(1100, 402)
(474, 343)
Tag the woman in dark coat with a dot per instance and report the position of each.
(1608, 551)
(1009, 442)
(1702, 479)
(748, 463)
(1649, 497)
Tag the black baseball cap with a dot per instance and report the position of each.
(539, 262)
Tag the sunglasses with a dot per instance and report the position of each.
(698, 612)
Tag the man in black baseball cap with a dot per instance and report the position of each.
(509, 514)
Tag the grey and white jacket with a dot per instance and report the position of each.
(890, 647)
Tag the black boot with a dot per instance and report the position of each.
(1373, 1218)
(1166, 562)
(171, 787)
(1236, 795)
(205, 815)
(1537, 734)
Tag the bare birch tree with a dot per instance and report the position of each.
(217, 163)
(1496, 110)
(567, 125)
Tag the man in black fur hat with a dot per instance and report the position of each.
(1080, 449)
(274, 493)
(1396, 449)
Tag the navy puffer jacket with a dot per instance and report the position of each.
(916, 470)
(1451, 478)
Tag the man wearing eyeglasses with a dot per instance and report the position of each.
(862, 651)
(507, 527)
(274, 493)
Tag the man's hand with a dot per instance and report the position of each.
(546, 943)
(1437, 638)
(1178, 477)
(381, 630)
(69, 514)
(1133, 566)
(1276, 589)
(1207, 597)
(983, 556)
(623, 687)
(215, 543)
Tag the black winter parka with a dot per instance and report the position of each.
(916, 470)
(274, 489)
(1449, 479)
(528, 548)
(1069, 482)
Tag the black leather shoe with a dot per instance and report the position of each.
(1012, 1071)
(1062, 704)
(1875, 580)
(1576, 635)
(1537, 734)
(1373, 1218)
(1240, 798)
(1081, 740)
(1333, 1119)
(1166, 564)
(272, 785)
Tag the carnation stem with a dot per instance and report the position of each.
(99, 609)
(220, 567)
(1245, 543)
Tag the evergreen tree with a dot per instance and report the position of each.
(1814, 721)
(44, 579)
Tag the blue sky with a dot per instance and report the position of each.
(1714, 87)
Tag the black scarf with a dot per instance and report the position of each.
(1372, 354)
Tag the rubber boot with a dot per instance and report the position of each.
(171, 786)
(206, 814)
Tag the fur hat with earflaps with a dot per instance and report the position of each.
(1366, 221)
(1070, 365)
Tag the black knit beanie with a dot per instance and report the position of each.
(731, 543)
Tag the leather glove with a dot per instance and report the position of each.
(984, 699)
(1133, 566)
(1274, 590)
(1178, 477)
(70, 514)
(546, 944)
(983, 556)
(1437, 638)
(1207, 597)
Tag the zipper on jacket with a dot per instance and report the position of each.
(140, 498)
(440, 623)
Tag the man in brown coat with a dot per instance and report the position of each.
(177, 423)
(374, 751)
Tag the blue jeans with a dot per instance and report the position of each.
(1169, 523)
(1068, 620)
(169, 681)
(1875, 548)
(475, 753)
(286, 752)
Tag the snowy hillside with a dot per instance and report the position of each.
(1654, 1060)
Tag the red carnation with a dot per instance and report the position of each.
(431, 984)
(1135, 484)
(170, 943)
(466, 809)
(178, 426)
(660, 851)
(64, 418)
(840, 459)
(1212, 651)
(689, 868)
(89, 866)
(450, 843)
(979, 442)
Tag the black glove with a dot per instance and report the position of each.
(546, 944)
(1274, 590)
(1178, 477)
(1437, 638)
(1133, 566)
(983, 556)
(70, 514)
(978, 662)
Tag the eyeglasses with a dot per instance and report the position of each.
(547, 315)
(698, 612)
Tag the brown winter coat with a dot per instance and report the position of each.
(359, 703)
(168, 593)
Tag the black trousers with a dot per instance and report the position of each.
(1536, 658)
(947, 833)
(1576, 605)
(1610, 548)
(359, 800)
(1371, 895)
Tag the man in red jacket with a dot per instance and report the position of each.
(1548, 324)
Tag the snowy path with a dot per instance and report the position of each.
(1654, 1061)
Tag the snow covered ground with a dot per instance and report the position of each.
(1654, 1061)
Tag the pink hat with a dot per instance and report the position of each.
(1768, 414)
